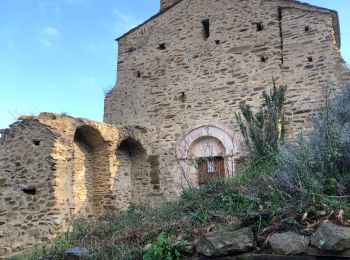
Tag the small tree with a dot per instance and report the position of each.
(264, 130)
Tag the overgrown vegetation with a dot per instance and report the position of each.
(295, 187)
(264, 130)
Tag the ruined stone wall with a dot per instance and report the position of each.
(55, 168)
(27, 201)
(173, 75)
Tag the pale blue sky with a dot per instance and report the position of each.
(59, 55)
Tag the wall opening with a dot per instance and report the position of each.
(138, 74)
(36, 142)
(259, 27)
(206, 29)
(208, 147)
(207, 158)
(136, 167)
(29, 190)
(307, 28)
(217, 42)
(310, 59)
(279, 14)
(162, 46)
(182, 97)
(281, 34)
(263, 59)
(154, 171)
(91, 176)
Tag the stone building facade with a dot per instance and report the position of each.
(184, 72)
(169, 121)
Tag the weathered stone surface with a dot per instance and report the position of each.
(199, 81)
(331, 237)
(54, 168)
(76, 253)
(288, 243)
(223, 243)
(175, 82)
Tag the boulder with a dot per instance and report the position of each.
(288, 243)
(76, 253)
(331, 237)
(224, 243)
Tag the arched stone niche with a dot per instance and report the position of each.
(201, 143)
(138, 173)
(91, 173)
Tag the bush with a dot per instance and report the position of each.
(319, 164)
(264, 130)
(165, 248)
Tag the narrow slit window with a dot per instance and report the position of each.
(206, 29)
(182, 96)
(155, 171)
(279, 13)
(138, 74)
(259, 27)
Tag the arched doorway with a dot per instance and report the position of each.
(91, 177)
(205, 153)
(208, 155)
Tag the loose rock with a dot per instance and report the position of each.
(76, 253)
(223, 243)
(330, 237)
(289, 243)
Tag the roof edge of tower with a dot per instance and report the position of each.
(334, 14)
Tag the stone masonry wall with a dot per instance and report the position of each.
(164, 4)
(172, 75)
(55, 168)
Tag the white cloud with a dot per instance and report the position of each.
(125, 22)
(49, 35)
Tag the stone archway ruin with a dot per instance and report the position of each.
(91, 174)
(134, 178)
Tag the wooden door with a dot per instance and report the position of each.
(210, 168)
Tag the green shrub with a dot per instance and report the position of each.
(165, 248)
(316, 167)
(264, 130)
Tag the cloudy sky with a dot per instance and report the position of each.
(60, 55)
